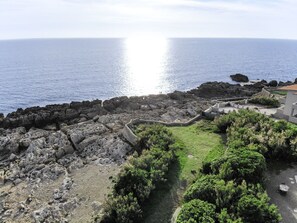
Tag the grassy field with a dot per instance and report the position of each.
(194, 144)
(283, 93)
(197, 142)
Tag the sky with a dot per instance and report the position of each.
(21, 19)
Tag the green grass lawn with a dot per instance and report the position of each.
(197, 143)
(284, 93)
(194, 144)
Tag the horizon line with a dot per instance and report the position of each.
(70, 38)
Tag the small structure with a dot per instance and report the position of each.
(289, 112)
(283, 188)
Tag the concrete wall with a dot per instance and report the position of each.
(129, 135)
(290, 99)
(133, 139)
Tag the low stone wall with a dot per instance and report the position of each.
(264, 93)
(133, 139)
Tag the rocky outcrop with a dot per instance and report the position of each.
(215, 90)
(42, 148)
(40, 153)
(272, 83)
(239, 78)
(281, 83)
(38, 157)
(53, 114)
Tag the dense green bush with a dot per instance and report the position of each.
(240, 165)
(204, 189)
(253, 209)
(267, 101)
(197, 211)
(154, 136)
(214, 190)
(142, 173)
(225, 217)
(234, 182)
(244, 117)
(246, 128)
(140, 176)
(124, 209)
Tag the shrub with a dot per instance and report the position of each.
(225, 217)
(204, 189)
(197, 211)
(241, 165)
(124, 209)
(156, 162)
(273, 139)
(253, 208)
(267, 101)
(234, 181)
(207, 125)
(154, 136)
(140, 176)
(135, 181)
(214, 190)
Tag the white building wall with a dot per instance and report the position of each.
(291, 98)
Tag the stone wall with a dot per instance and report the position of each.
(133, 139)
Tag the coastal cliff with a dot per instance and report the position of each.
(57, 161)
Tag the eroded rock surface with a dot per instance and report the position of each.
(57, 162)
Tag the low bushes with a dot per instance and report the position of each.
(197, 211)
(214, 190)
(255, 208)
(233, 183)
(241, 165)
(142, 174)
(267, 101)
(154, 135)
(273, 139)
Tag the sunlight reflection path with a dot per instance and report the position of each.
(146, 60)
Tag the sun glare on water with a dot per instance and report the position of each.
(146, 64)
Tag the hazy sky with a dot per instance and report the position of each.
(129, 18)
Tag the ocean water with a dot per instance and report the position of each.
(39, 72)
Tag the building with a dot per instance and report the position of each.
(289, 111)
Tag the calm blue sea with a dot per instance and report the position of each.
(40, 72)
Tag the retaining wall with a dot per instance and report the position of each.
(133, 139)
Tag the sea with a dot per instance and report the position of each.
(37, 72)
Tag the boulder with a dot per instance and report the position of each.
(52, 114)
(281, 83)
(239, 78)
(224, 90)
(272, 83)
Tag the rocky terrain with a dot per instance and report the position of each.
(57, 162)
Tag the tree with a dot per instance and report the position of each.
(253, 209)
(122, 209)
(197, 211)
(241, 165)
(225, 217)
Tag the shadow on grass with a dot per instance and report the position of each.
(166, 198)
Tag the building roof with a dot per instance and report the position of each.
(289, 88)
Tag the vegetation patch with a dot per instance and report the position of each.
(143, 173)
(194, 144)
(283, 93)
(233, 183)
(266, 101)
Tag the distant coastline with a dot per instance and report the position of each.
(51, 71)
(75, 112)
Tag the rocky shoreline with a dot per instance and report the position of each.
(49, 152)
